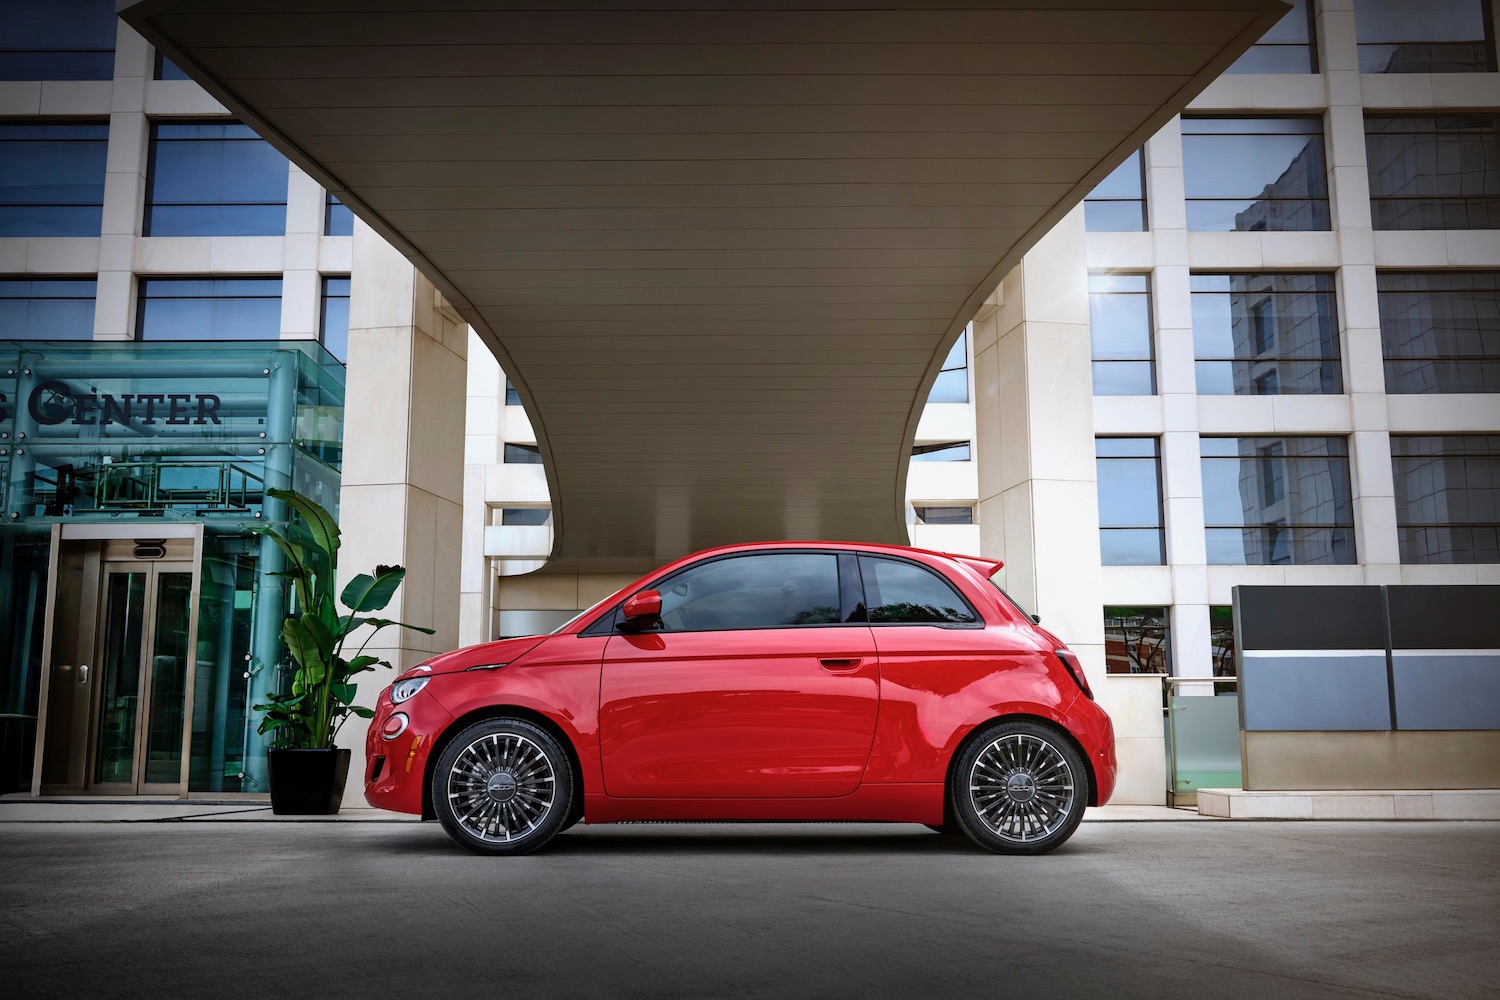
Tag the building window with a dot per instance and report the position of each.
(1287, 48)
(1120, 328)
(166, 69)
(952, 385)
(512, 397)
(1118, 204)
(529, 516)
(1266, 334)
(944, 515)
(57, 40)
(1277, 501)
(1447, 497)
(47, 308)
(1419, 36)
(1221, 639)
(1434, 173)
(214, 179)
(1440, 330)
(52, 178)
(333, 325)
(946, 451)
(209, 309)
(1255, 174)
(1137, 641)
(1130, 521)
(337, 219)
(522, 454)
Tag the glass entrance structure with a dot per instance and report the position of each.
(139, 617)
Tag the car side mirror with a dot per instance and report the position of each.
(641, 609)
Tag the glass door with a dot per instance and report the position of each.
(140, 716)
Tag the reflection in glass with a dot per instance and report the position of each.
(1447, 497)
(1137, 641)
(209, 309)
(1221, 639)
(49, 40)
(120, 678)
(166, 69)
(169, 664)
(1265, 334)
(898, 591)
(526, 515)
(765, 590)
(1440, 330)
(1120, 328)
(52, 178)
(214, 179)
(954, 451)
(1286, 48)
(1419, 36)
(1128, 471)
(952, 385)
(944, 515)
(1118, 204)
(337, 219)
(1255, 174)
(522, 454)
(1434, 173)
(1277, 500)
(225, 613)
(512, 397)
(333, 326)
(47, 308)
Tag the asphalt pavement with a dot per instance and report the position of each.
(230, 909)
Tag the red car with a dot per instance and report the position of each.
(774, 681)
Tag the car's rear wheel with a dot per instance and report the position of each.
(1019, 788)
(502, 786)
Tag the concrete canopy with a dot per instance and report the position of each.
(721, 250)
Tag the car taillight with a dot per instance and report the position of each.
(1075, 670)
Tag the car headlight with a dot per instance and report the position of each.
(403, 690)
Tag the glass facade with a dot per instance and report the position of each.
(214, 179)
(47, 308)
(1440, 330)
(166, 69)
(333, 318)
(1120, 329)
(1277, 501)
(512, 397)
(944, 515)
(57, 40)
(952, 385)
(1286, 48)
(1265, 334)
(944, 451)
(1128, 471)
(52, 178)
(532, 516)
(1118, 204)
(1434, 173)
(208, 309)
(1255, 174)
(1447, 497)
(143, 437)
(1137, 640)
(522, 454)
(337, 219)
(1420, 36)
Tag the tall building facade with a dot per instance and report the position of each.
(1266, 350)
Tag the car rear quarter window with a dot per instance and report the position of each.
(763, 590)
(903, 592)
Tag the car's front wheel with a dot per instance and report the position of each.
(502, 786)
(1019, 788)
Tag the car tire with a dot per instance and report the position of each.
(503, 786)
(1019, 787)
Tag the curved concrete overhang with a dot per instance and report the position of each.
(721, 251)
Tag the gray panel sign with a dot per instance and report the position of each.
(1314, 690)
(1447, 691)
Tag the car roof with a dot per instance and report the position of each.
(986, 567)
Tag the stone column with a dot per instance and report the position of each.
(402, 493)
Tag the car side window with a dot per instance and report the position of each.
(899, 591)
(760, 590)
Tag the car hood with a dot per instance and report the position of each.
(486, 654)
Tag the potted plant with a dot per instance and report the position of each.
(307, 771)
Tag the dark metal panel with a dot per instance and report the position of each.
(1309, 692)
(1309, 618)
(1453, 691)
(1445, 617)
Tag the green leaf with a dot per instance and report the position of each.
(297, 571)
(305, 650)
(363, 713)
(344, 693)
(320, 523)
(381, 623)
(371, 593)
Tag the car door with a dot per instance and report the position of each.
(751, 686)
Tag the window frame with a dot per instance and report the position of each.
(1290, 463)
(1278, 351)
(1425, 201)
(1100, 279)
(860, 558)
(1160, 527)
(150, 204)
(143, 282)
(1320, 205)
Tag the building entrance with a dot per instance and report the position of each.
(117, 719)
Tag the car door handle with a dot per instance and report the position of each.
(840, 663)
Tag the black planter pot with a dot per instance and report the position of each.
(308, 782)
